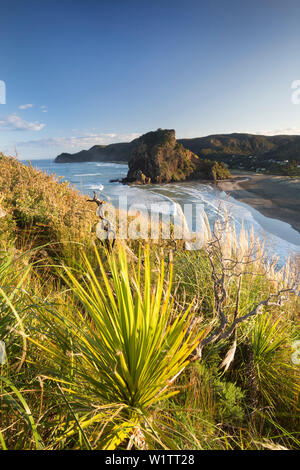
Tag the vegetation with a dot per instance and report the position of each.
(212, 170)
(291, 169)
(141, 346)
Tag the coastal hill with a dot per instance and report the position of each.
(278, 154)
(157, 157)
(243, 151)
(99, 153)
(238, 144)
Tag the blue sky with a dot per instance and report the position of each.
(82, 72)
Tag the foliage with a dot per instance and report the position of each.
(127, 347)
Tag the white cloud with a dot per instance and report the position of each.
(15, 122)
(75, 143)
(283, 131)
(26, 106)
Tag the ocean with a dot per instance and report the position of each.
(279, 237)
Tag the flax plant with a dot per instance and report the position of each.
(124, 347)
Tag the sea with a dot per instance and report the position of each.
(280, 238)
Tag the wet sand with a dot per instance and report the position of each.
(277, 197)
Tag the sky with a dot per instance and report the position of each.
(83, 72)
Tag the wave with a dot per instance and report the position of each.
(112, 165)
(88, 174)
(281, 239)
(98, 187)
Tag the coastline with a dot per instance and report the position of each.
(277, 197)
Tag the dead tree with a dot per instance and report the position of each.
(106, 225)
(222, 271)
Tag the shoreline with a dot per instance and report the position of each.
(276, 197)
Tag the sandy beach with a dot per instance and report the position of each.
(277, 197)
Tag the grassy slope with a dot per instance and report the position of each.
(252, 405)
(33, 199)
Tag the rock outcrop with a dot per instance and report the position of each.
(157, 157)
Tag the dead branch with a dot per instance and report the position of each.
(222, 275)
(106, 225)
(95, 199)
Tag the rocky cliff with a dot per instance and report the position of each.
(157, 157)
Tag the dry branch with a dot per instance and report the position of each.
(105, 223)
